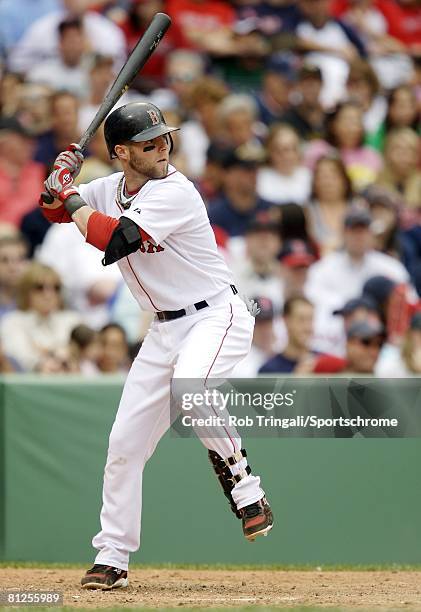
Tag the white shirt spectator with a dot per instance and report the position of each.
(281, 188)
(334, 68)
(27, 337)
(194, 143)
(40, 41)
(79, 265)
(55, 74)
(334, 280)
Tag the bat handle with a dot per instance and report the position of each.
(47, 198)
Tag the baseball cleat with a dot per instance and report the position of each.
(105, 577)
(257, 519)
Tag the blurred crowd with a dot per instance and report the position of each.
(300, 126)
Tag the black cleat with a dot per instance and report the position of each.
(257, 519)
(105, 577)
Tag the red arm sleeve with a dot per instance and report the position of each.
(56, 215)
(100, 228)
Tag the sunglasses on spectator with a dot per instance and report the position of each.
(372, 342)
(44, 286)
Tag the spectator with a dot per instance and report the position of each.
(206, 25)
(114, 352)
(293, 224)
(330, 197)
(331, 44)
(285, 179)
(33, 109)
(257, 273)
(340, 276)
(370, 20)
(345, 131)
(402, 112)
(238, 203)
(67, 71)
(404, 361)
(237, 116)
(13, 259)
(401, 173)
(84, 350)
(212, 178)
(183, 70)
(273, 98)
(395, 303)
(296, 357)
(64, 109)
(40, 328)
(385, 211)
(306, 115)
(89, 285)
(363, 86)
(140, 14)
(203, 128)
(17, 16)
(40, 41)
(364, 341)
(21, 179)
(101, 75)
(330, 332)
(295, 258)
(98, 163)
(262, 347)
(10, 93)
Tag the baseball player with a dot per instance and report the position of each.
(152, 221)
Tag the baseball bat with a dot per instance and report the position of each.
(135, 62)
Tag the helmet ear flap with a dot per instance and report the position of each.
(171, 142)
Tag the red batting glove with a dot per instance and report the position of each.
(60, 184)
(71, 158)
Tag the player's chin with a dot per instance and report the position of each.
(161, 169)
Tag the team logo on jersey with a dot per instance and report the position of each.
(154, 117)
(149, 247)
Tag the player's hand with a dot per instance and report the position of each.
(71, 158)
(252, 306)
(60, 184)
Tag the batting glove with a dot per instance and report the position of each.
(71, 158)
(252, 306)
(60, 184)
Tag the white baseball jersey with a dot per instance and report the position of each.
(181, 264)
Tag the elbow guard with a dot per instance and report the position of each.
(124, 240)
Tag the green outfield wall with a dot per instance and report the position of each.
(335, 500)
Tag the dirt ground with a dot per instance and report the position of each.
(159, 588)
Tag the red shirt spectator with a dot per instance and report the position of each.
(21, 179)
(135, 24)
(200, 20)
(403, 18)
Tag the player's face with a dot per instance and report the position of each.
(150, 158)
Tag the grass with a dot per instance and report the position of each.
(226, 567)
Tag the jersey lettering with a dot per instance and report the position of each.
(149, 248)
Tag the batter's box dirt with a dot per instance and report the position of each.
(169, 588)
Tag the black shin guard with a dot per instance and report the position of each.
(226, 477)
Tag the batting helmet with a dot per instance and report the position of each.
(135, 122)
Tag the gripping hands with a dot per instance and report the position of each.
(72, 159)
(60, 184)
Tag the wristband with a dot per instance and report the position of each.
(73, 203)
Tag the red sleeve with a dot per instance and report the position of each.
(100, 228)
(56, 215)
(329, 364)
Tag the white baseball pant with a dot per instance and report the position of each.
(207, 344)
